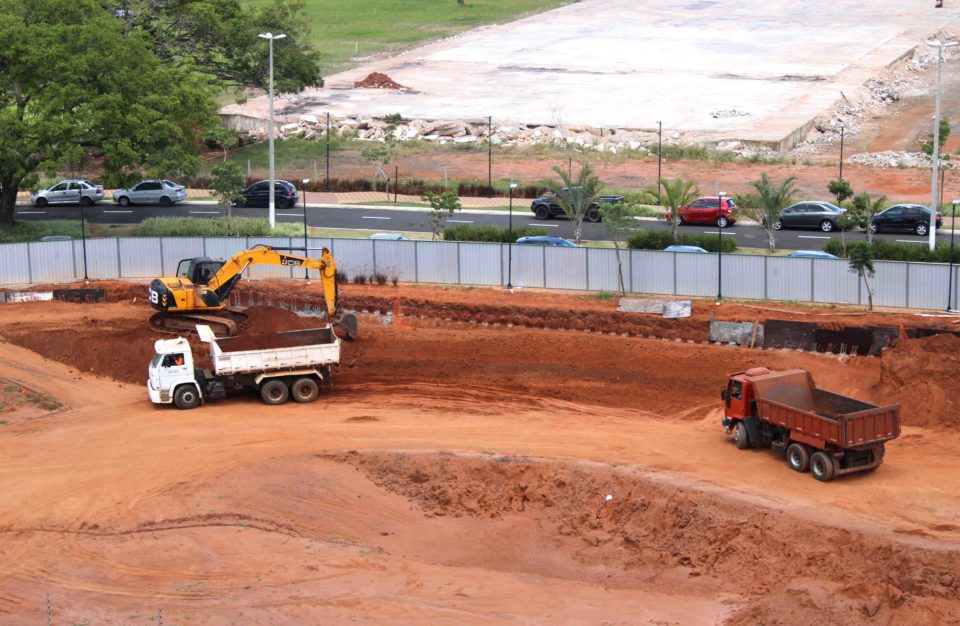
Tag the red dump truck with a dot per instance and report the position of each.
(819, 430)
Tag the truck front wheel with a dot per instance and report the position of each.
(822, 466)
(274, 392)
(798, 457)
(740, 436)
(305, 390)
(186, 397)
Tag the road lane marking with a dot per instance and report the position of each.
(291, 214)
(811, 237)
(371, 217)
(713, 232)
(31, 212)
(205, 212)
(110, 211)
(922, 243)
(461, 221)
(543, 225)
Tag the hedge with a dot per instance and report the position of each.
(489, 232)
(885, 250)
(214, 227)
(32, 231)
(660, 239)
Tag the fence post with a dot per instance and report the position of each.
(73, 248)
(416, 262)
(374, 242)
(458, 262)
(586, 263)
(766, 293)
(813, 286)
(543, 258)
(674, 272)
(908, 285)
(119, 260)
(29, 265)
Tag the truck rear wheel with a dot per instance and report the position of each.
(305, 390)
(186, 397)
(798, 457)
(740, 436)
(822, 466)
(275, 392)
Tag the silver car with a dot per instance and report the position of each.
(162, 192)
(69, 192)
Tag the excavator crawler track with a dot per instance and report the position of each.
(185, 323)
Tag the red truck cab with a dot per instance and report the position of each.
(828, 433)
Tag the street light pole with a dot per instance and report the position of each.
(306, 272)
(934, 205)
(510, 240)
(271, 215)
(720, 196)
(489, 156)
(327, 185)
(950, 285)
(840, 176)
(83, 237)
(659, 156)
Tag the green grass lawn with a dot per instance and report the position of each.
(345, 29)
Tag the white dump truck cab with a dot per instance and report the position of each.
(171, 377)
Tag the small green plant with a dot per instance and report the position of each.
(861, 262)
(360, 279)
(227, 183)
(442, 206)
(214, 227)
(393, 118)
(603, 295)
(394, 279)
(658, 240)
(341, 277)
(841, 189)
(379, 277)
(927, 146)
(490, 233)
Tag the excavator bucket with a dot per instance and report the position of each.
(348, 326)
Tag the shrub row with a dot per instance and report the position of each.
(884, 250)
(660, 239)
(489, 232)
(214, 227)
(31, 231)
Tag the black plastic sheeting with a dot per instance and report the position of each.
(860, 340)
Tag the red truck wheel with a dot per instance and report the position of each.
(740, 436)
(798, 457)
(822, 466)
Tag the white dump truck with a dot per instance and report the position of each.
(286, 365)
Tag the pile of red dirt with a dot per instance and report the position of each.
(377, 80)
(921, 374)
(263, 320)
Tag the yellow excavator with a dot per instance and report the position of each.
(200, 292)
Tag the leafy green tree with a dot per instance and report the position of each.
(768, 201)
(218, 38)
(861, 262)
(222, 137)
(576, 196)
(619, 220)
(927, 146)
(73, 88)
(841, 189)
(673, 194)
(381, 154)
(442, 206)
(865, 209)
(227, 183)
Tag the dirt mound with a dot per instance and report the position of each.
(263, 320)
(921, 374)
(377, 80)
(621, 521)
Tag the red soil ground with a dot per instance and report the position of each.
(461, 472)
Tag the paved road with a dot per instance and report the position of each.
(392, 219)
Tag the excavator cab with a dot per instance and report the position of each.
(198, 270)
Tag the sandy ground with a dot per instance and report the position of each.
(709, 70)
(458, 473)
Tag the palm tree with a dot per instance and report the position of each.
(769, 201)
(576, 197)
(673, 194)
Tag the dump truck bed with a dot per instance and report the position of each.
(296, 350)
(792, 401)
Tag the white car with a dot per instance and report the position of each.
(69, 192)
(388, 236)
(162, 192)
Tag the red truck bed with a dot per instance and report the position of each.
(792, 401)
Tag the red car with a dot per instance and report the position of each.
(708, 210)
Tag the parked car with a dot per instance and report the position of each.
(545, 207)
(708, 210)
(163, 192)
(69, 192)
(696, 249)
(904, 217)
(545, 240)
(388, 236)
(812, 254)
(285, 194)
(810, 214)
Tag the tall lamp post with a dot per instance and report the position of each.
(934, 205)
(659, 155)
(510, 240)
(950, 285)
(272, 212)
(306, 272)
(720, 196)
(83, 237)
(842, 129)
(489, 156)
